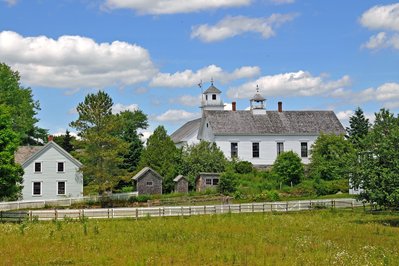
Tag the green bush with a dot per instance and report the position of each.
(243, 167)
(227, 183)
(288, 168)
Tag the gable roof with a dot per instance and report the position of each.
(143, 171)
(273, 123)
(27, 154)
(185, 131)
(179, 177)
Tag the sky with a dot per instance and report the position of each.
(152, 54)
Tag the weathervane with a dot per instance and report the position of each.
(211, 81)
(257, 88)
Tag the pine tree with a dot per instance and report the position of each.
(358, 129)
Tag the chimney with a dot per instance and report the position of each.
(50, 138)
(280, 107)
(234, 106)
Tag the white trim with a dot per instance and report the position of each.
(41, 189)
(56, 187)
(41, 167)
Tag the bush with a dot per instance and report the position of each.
(227, 183)
(288, 168)
(139, 198)
(243, 167)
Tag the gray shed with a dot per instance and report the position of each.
(181, 184)
(206, 181)
(148, 181)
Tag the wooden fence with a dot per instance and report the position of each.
(168, 211)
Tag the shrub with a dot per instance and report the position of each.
(288, 168)
(227, 183)
(243, 167)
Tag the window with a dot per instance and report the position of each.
(304, 149)
(280, 147)
(255, 149)
(37, 188)
(61, 188)
(234, 149)
(38, 167)
(213, 96)
(149, 183)
(208, 181)
(215, 181)
(60, 166)
(206, 97)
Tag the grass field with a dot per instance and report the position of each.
(325, 237)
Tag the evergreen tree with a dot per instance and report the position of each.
(102, 146)
(65, 141)
(162, 155)
(10, 172)
(358, 128)
(22, 107)
(378, 163)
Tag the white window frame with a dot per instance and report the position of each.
(65, 188)
(63, 162)
(33, 189)
(41, 167)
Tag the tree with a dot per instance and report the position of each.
(288, 168)
(202, 157)
(22, 107)
(10, 172)
(98, 128)
(162, 155)
(358, 128)
(332, 157)
(378, 162)
(227, 183)
(65, 141)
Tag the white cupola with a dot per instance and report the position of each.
(211, 99)
(257, 103)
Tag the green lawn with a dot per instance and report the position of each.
(338, 237)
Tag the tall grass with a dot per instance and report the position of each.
(307, 238)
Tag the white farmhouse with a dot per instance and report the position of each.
(50, 172)
(256, 135)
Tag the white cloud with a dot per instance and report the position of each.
(345, 115)
(188, 78)
(75, 61)
(144, 135)
(11, 2)
(187, 100)
(387, 94)
(141, 90)
(118, 107)
(299, 83)
(233, 26)
(158, 7)
(382, 40)
(176, 116)
(381, 17)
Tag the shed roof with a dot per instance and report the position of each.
(143, 171)
(185, 131)
(274, 123)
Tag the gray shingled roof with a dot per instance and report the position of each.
(25, 152)
(212, 89)
(177, 178)
(145, 170)
(257, 97)
(274, 123)
(186, 130)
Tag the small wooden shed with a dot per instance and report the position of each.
(206, 181)
(181, 184)
(148, 181)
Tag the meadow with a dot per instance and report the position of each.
(322, 237)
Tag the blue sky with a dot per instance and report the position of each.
(311, 55)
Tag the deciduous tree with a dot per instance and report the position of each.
(288, 168)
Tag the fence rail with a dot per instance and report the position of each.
(63, 202)
(168, 211)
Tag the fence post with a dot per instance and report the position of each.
(253, 208)
(352, 204)
(137, 213)
(113, 212)
(55, 214)
(204, 209)
(239, 208)
(1, 216)
(108, 213)
(286, 207)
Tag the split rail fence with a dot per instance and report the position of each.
(169, 211)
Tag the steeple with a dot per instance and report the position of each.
(257, 103)
(211, 99)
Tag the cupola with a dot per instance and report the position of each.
(211, 99)
(257, 103)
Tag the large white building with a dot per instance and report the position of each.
(256, 135)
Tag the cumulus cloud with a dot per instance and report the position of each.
(233, 26)
(188, 78)
(301, 83)
(118, 107)
(11, 2)
(160, 7)
(187, 100)
(176, 116)
(381, 17)
(75, 61)
(384, 18)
